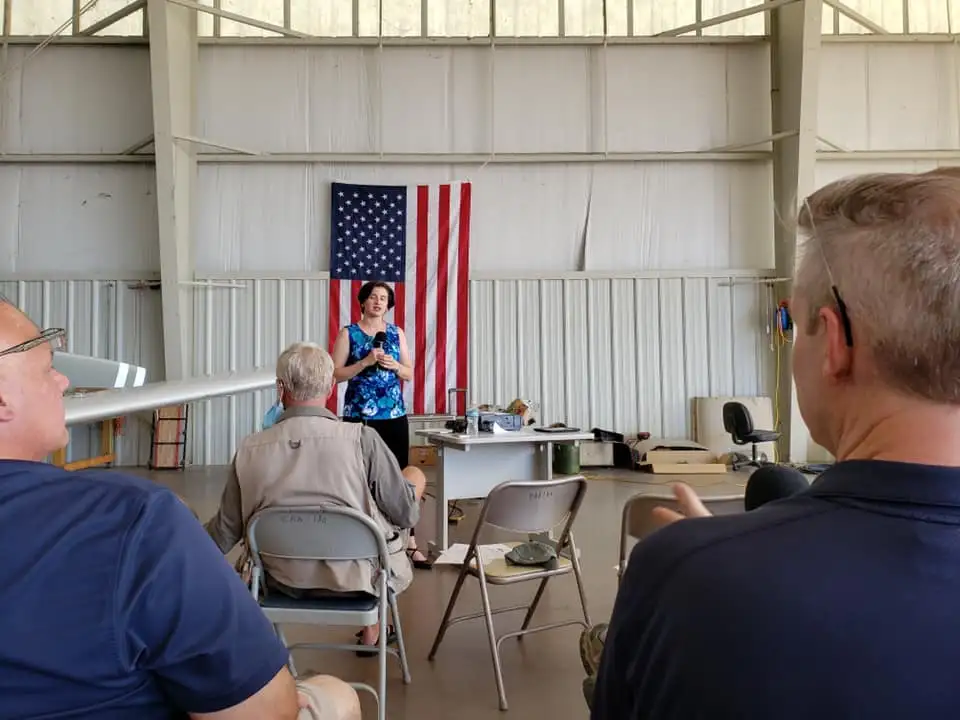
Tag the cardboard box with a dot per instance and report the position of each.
(425, 455)
(677, 457)
(596, 454)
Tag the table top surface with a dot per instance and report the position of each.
(527, 435)
(708, 485)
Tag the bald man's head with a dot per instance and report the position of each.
(15, 326)
(31, 392)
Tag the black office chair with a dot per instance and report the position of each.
(738, 422)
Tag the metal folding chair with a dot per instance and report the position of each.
(521, 507)
(637, 518)
(327, 533)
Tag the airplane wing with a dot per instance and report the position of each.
(87, 408)
(89, 372)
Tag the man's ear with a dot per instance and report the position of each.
(838, 356)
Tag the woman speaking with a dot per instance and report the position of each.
(371, 356)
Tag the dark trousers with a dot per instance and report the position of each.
(395, 433)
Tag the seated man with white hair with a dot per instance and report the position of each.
(309, 457)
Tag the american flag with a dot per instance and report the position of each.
(417, 238)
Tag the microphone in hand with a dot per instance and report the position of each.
(379, 340)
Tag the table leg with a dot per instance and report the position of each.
(546, 459)
(441, 512)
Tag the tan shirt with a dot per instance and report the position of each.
(310, 457)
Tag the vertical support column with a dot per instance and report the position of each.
(795, 73)
(173, 68)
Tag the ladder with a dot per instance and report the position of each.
(168, 438)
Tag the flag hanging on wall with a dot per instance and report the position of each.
(417, 238)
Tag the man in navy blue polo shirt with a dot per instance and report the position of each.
(114, 602)
(841, 602)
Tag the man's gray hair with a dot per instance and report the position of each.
(306, 371)
(891, 244)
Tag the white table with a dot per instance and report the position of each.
(470, 466)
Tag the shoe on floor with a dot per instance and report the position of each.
(591, 647)
(418, 564)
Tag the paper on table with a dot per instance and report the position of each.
(456, 553)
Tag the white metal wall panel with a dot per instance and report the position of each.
(86, 99)
(103, 318)
(527, 218)
(254, 218)
(78, 220)
(890, 96)
(463, 99)
(69, 219)
(554, 217)
(541, 102)
(683, 98)
(480, 100)
(624, 353)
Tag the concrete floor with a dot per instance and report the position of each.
(542, 672)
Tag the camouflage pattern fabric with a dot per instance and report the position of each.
(589, 684)
(531, 553)
(591, 648)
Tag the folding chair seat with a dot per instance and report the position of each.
(530, 508)
(327, 533)
(636, 520)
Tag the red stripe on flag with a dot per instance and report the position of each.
(443, 273)
(355, 286)
(400, 306)
(400, 315)
(420, 309)
(333, 329)
(463, 293)
(400, 311)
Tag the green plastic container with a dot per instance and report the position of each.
(566, 459)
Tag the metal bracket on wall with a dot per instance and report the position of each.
(754, 281)
(156, 284)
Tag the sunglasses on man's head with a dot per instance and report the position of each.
(841, 305)
(56, 337)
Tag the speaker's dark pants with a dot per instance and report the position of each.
(395, 432)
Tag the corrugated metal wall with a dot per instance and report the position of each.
(110, 318)
(626, 353)
(566, 203)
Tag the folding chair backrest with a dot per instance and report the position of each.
(533, 507)
(315, 533)
(637, 519)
